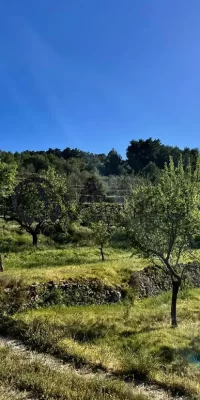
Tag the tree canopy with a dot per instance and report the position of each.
(162, 219)
(140, 154)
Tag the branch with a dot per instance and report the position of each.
(16, 219)
(172, 272)
(164, 260)
(172, 241)
(179, 253)
(184, 269)
(194, 258)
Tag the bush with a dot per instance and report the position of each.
(81, 235)
(61, 237)
(119, 239)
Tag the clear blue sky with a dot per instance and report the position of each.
(96, 74)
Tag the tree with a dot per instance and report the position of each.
(140, 153)
(7, 182)
(151, 172)
(102, 235)
(102, 218)
(113, 163)
(94, 190)
(36, 201)
(162, 219)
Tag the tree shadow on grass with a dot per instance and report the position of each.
(58, 263)
(9, 245)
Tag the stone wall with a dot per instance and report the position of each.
(75, 292)
(145, 283)
(152, 281)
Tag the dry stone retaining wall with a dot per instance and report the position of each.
(151, 281)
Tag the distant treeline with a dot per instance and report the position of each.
(145, 157)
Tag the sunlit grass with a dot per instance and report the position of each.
(10, 393)
(124, 339)
(41, 265)
(139, 341)
(51, 262)
(46, 382)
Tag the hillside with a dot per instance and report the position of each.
(128, 339)
(76, 314)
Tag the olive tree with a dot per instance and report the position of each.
(7, 182)
(102, 218)
(36, 201)
(162, 219)
(8, 174)
(102, 235)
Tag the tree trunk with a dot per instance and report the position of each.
(35, 238)
(175, 288)
(102, 253)
(1, 264)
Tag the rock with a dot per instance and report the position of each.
(151, 281)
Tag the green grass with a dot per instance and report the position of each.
(125, 341)
(48, 383)
(10, 393)
(56, 264)
(48, 262)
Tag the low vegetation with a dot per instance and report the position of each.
(88, 233)
(131, 339)
(128, 341)
(44, 382)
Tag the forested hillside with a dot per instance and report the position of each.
(83, 238)
(101, 176)
(142, 156)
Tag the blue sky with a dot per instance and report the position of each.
(96, 74)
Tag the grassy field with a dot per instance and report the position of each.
(128, 340)
(48, 262)
(124, 340)
(44, 382)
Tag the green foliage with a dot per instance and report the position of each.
(113, 163)
(141, 153)
(38, 201)
(101, 232)
(151, 172)
(162, 219)
(39, 379)
(102, 218)
(81, 235)
(93, 191)
(80, 164)
(7, 178)
(127, 341)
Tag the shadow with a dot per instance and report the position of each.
(9, 245)
(59, 263)
(129, 333)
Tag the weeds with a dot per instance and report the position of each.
(48, 383)
(140, 344)
(131, 339)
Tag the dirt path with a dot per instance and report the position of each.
(152, 392)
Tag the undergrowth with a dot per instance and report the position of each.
(139, 345)
(130, 340)
(46, 382)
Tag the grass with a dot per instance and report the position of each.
(10, 393)
(48, 262)
(44, 265)
(48, 383)
(136, 341)
(126, 340)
